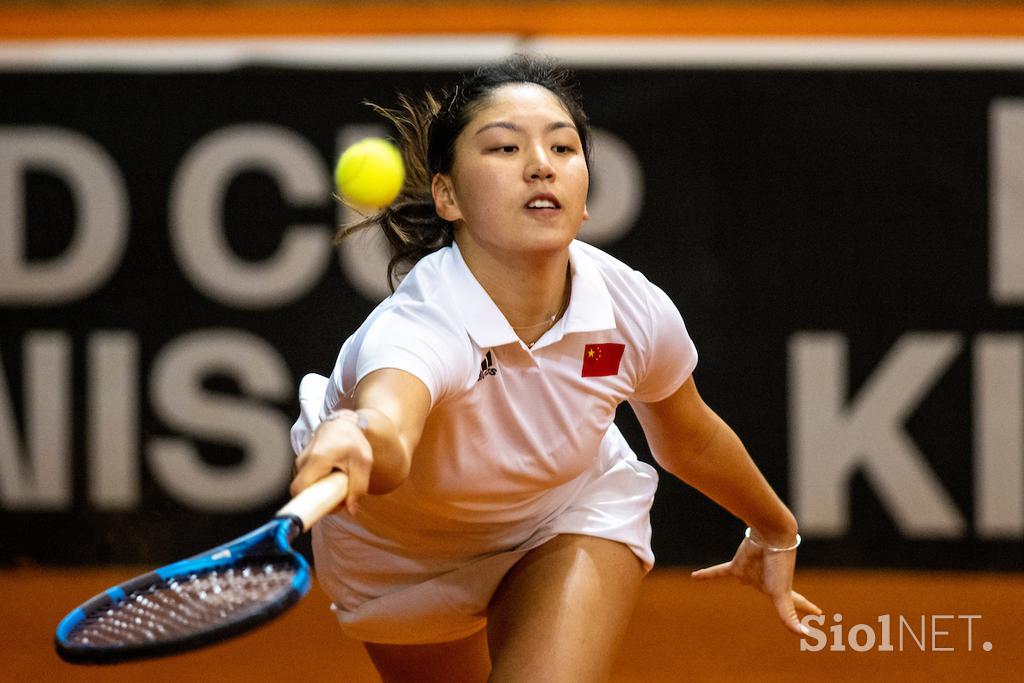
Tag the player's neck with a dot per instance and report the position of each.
(532, 293)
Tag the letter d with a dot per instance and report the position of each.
(99, 236)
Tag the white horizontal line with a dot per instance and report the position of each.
(460, 52)
(203, 55)
(833, 53)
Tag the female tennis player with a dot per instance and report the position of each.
(497, 523)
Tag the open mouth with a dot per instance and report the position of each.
(543, 202)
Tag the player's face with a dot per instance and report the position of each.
(519, 179)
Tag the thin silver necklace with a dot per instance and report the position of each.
(542, 322)
(557, 314)
(549, 322)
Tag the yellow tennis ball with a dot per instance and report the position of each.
(370, 173)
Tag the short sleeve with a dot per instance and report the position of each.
(420, 339)
(670, 356)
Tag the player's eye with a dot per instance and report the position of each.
(563, 149)
(505, 149)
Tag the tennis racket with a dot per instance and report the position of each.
(205, 599)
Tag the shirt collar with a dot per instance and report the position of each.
(590, 306)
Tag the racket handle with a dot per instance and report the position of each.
(317, 500)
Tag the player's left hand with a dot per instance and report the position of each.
(771, 572)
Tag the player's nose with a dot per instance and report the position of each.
(539, 166)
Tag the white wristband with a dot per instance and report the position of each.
(770, 548)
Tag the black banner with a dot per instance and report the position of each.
(846, 246)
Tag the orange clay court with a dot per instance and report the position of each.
(681, 631)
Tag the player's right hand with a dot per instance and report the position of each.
(338, 444)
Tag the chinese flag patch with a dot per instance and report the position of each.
(601, 360)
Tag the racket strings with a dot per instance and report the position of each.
(183, 606)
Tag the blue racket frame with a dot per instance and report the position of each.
(270, 541)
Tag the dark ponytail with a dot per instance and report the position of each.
(410, 224)
(426, 132)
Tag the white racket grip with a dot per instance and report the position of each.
(318, 499)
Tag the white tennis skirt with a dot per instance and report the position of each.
(383, 593)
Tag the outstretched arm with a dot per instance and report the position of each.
(689, 440)
(374, 443)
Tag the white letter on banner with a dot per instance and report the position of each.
(999, 435)
(259, 430)
(196, 212)
(38, 477)
(616, 190)
(831, 440)
(100, 234)
(113, 454)
(1006, 202)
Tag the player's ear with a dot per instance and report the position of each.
(586, 213)
(444, 197)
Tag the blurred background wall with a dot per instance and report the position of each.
(831, 193)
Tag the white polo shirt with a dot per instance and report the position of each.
(512, 430)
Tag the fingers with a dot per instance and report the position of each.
(308, 470)
(787, 612)
(745, 566)
(805, 605)
(337, 445)
(716, 572)
(358, 468)
(772, 574)
(789, 606)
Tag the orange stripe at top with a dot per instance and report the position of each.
(529, 19)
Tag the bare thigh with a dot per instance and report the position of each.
(561, 612)
(459, 660)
